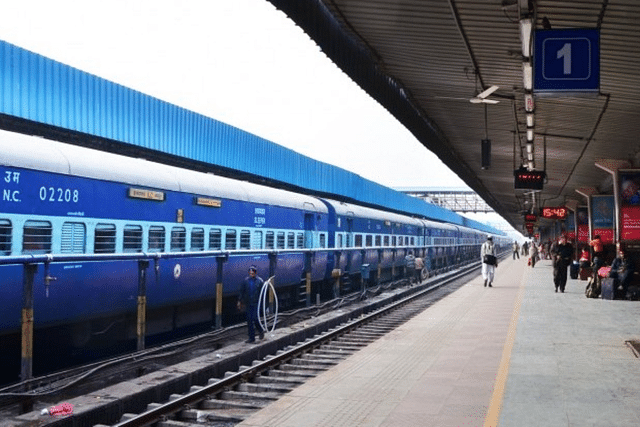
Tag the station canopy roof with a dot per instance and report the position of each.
(425, 60)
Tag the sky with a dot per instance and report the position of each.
(241, 62)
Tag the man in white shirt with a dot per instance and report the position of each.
(489, 261)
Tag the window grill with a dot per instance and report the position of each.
(230, 240)
(36, 237)
(5, 237)
(215, 239)
(132, 238)
(245, 239)
(178, 239)
(156, 238)
(197, 239)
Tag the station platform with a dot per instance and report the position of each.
(517, 354)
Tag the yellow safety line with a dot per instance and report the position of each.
(493, 413)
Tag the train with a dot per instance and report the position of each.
(87, 218)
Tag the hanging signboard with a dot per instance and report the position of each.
(582, 218)
(570, 226)
(629, 205)
(602, 217)
(566, 60)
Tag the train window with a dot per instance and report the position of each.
(230, 239)
(386, 240)
(215, 239)
(156, 238)
(36, 237)
(339, 245)
(347, 240)
(178, 239)
(300, 240)
(393, 241)
(378, 240)
(104, 241)
(358, 241)
(291, 242)
(256, 242)
(270, 240)
(280, 241)
(73, 239)
(245, 239)
(197, 239)
(132, 238)
(5, 237)
(323, 240)
(368, 240)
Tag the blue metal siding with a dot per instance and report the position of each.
(42, 90)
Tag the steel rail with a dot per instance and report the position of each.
(161, 411)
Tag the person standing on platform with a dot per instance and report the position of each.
(516, 250)
(249, 295)
(562, 258)
(598, 254)
(489, 261)
(533, 254)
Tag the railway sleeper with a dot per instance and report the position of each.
(173, 423)
(263, 388)
(314, 364)
(230, 404)
(329, 357)
(292, 374)
(284, 381)
(229, 415)
(301, 369)
(265, 397)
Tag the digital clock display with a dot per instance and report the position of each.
(526, 179)
(555, 213)
(530, 218)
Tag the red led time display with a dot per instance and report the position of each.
(555, 213)
(525, 179)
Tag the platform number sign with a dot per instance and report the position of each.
(567, 60)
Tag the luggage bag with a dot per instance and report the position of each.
(574, 267)
(608, 288)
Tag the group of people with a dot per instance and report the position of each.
(621, 269)
(561, 253)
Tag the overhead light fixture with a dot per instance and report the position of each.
(527, 75)
(530, 120)
(525, 36)
(530, 134)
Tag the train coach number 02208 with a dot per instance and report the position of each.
(51, 194)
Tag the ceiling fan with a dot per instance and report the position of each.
(482, 96)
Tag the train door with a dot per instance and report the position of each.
(309, 228)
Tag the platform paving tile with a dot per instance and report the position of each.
(569, 364)
(437, 369)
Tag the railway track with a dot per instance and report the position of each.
(247, 378)
(225, 402)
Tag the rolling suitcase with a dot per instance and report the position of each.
(574, 267)
(608, 288)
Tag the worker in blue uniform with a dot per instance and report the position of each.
(249, 295)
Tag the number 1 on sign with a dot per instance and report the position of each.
(565, 54)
